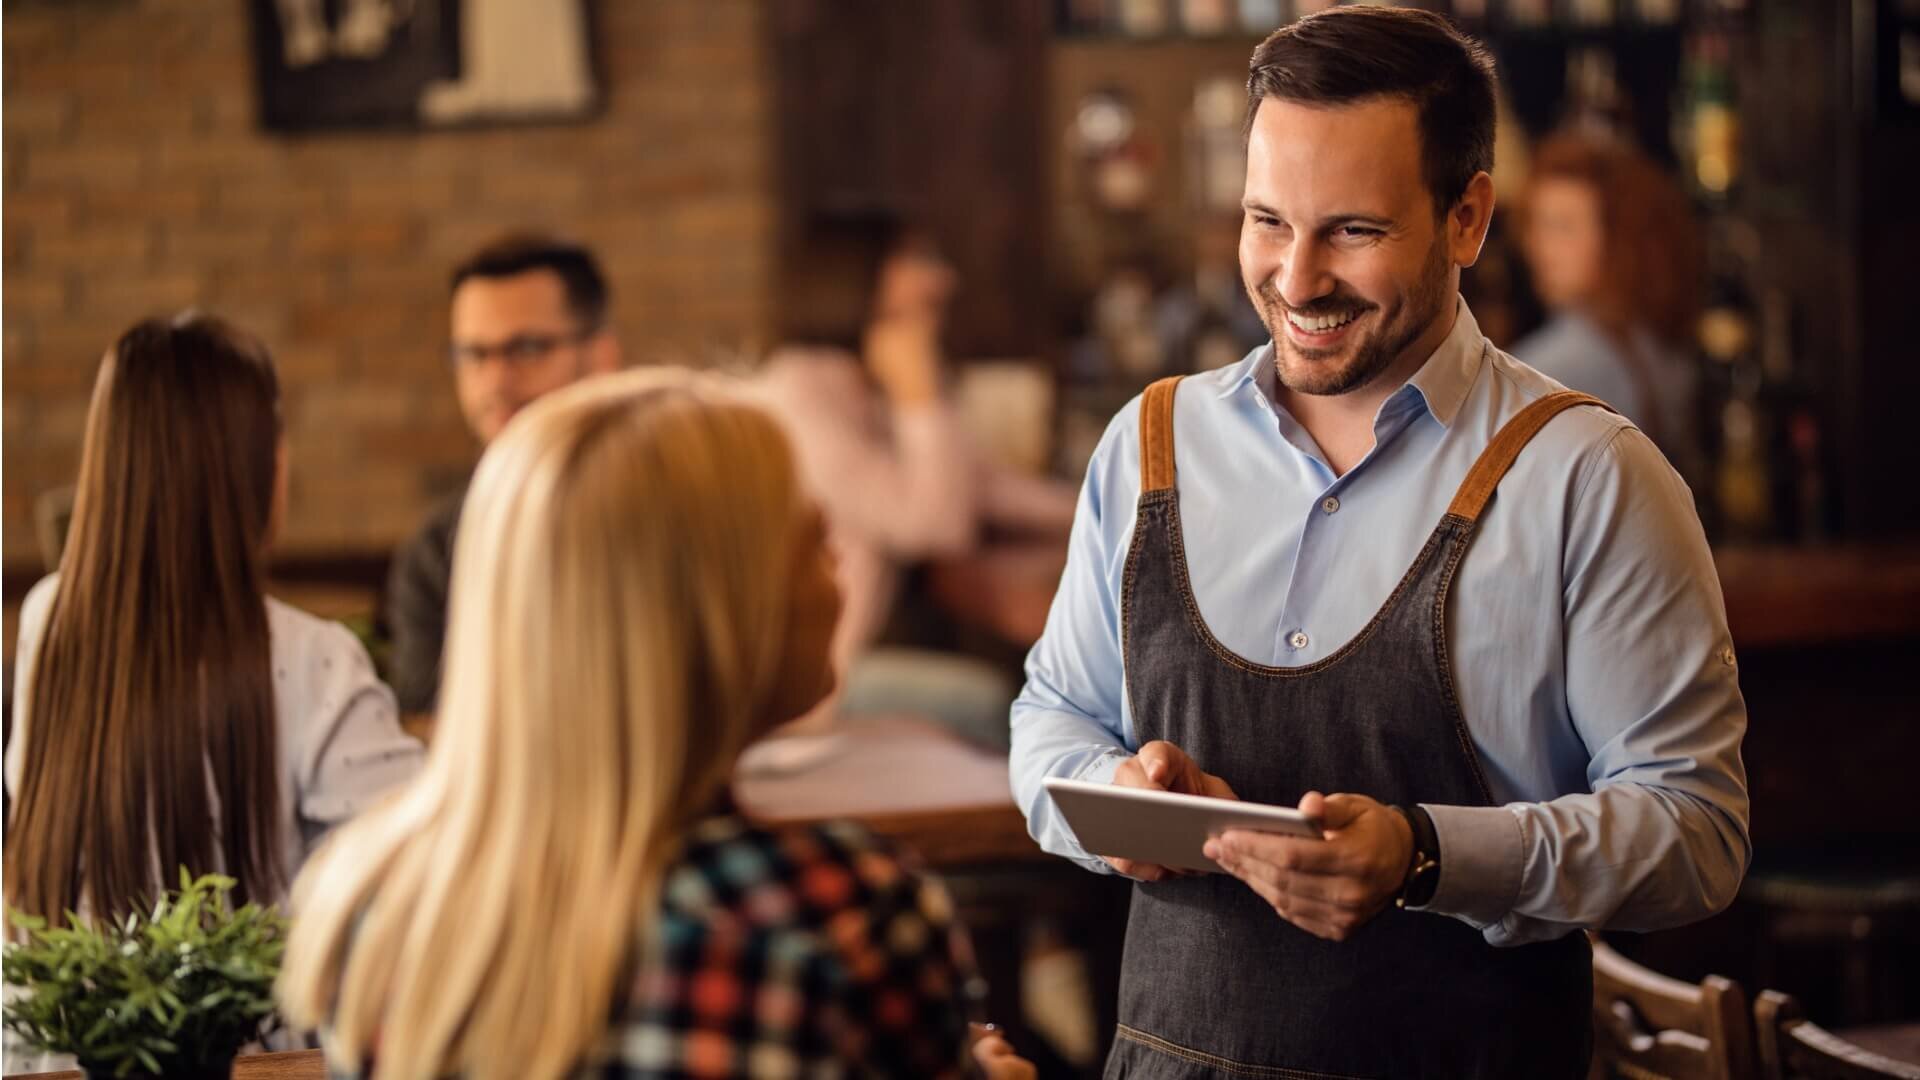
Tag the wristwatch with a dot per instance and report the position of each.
(1423, 868)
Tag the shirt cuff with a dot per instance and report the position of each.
(1101, 769)
(1098, 771)
(1481, 860)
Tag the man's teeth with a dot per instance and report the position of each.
(1320, 324)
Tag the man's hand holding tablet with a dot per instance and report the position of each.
(1162, 766)
(1328, 884)
(1331, 886)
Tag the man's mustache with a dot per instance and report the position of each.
(1324, 307)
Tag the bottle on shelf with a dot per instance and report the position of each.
(1142, 18)
(1708, 124)
(1527, 14)
(1799, 482)
(1592, 13)
(1594, 99)
(1206, 18)
(1470, 12)
(1657, 12)
(1216, 156)
(1262, 16)
(1740, 506)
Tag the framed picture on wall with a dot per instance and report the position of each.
(348, 64)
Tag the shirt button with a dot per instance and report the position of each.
(1330, 504)
(1297, 639)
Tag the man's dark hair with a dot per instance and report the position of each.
(517, 253)
(1349, 54)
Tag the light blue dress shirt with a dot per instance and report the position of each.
(1586, 629)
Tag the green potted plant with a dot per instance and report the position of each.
(173, 992)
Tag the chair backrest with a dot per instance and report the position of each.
(1795, 1048)
(1647, 1024)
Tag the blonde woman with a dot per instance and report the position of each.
(639, 591)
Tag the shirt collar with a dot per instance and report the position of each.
(1249, 370)
(1444, 380)
(1441, 384)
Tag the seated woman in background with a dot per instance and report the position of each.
(1614, 253)
(168, 713)
(640, 589)
(861, 388)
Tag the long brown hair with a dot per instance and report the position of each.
(1650, 266)
(152, 694)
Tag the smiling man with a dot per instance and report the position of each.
(1380, 558)
(528, 316)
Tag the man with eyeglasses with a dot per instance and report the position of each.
(528, 316)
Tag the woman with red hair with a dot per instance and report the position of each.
(1612, 245)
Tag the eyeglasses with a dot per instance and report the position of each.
(516, 350)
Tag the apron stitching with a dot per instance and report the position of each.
(1132, 572)
(1464, 530)
(1183, 584)
(1228, 1065)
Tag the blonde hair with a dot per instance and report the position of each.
(616, 630)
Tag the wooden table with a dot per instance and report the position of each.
(295, 1065)
(905, 777)
(1776, 594)
(911, 780)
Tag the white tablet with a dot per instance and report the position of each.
(1162, 827)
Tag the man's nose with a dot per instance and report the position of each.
(1304, 275)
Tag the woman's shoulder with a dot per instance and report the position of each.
(317, 663)
(789, 877)
(315, 642)
(36, 605)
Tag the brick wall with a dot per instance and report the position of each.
(136, 183)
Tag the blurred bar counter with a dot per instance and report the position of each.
(1777, 595)
(1787, 595)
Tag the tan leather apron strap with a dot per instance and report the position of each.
(1156, 435)
(1500, 454)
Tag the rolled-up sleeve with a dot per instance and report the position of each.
(1652, 689)
(1070, 719)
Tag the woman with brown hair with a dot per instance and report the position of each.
(1615, 255)
(168, 713)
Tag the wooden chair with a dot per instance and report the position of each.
(1647, 1025)
(1795, 1048)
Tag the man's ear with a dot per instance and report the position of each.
(603, 353)
(1469, 219)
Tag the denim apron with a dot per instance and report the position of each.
(1214, 983)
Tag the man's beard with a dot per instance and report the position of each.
(1312, 371)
